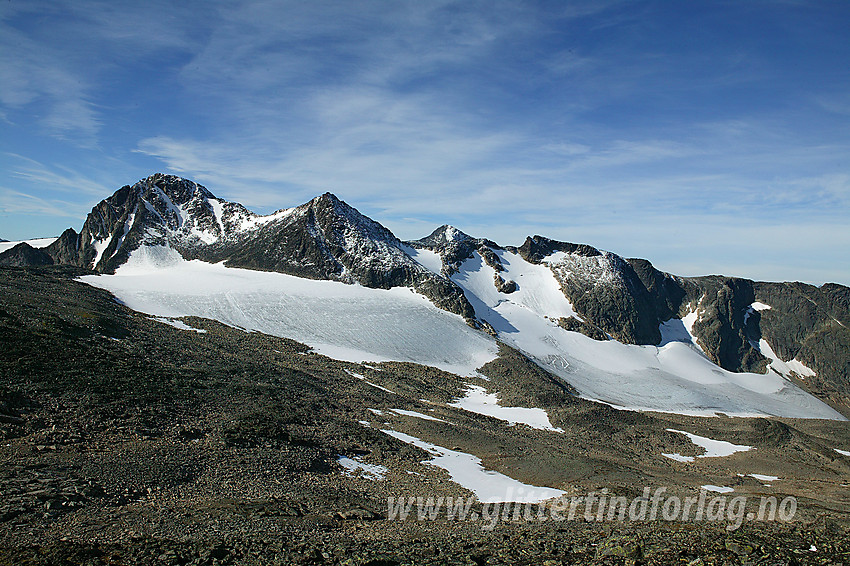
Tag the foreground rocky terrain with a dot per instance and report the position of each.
(130, 441)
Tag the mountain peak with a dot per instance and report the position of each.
(535, 248)
(178, 189)
(452, 234)
(445, 235)
(328, 196)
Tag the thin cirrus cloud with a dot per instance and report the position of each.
(597, 121)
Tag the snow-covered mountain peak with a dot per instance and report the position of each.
(176, 189)
(441, 237)
(454, 247)
(343, 220)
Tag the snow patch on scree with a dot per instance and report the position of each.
(417, 415)
(477, 400)
(179, 324)
(717, 488)
(713, 448)
(356, 467)
(466, 470)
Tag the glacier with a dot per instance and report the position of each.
(343, 321)
(359, 324)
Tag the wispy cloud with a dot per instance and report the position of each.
(56, 55)
(16, 202)
(58, 178)
(31, 74)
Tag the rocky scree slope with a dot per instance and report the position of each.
(113, 452)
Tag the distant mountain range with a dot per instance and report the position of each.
(795, 330)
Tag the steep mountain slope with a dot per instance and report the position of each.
(634, 303)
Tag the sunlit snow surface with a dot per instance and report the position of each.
(417, 414)
(713, 448)
(782, 367)
(347, 322)
(355, 466)
(764, 477)
(466, 470)
(179, 324)
(361, 377)
(477, 400)
(674, 377)
(717, 488)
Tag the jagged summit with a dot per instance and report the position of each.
(324, 238)
(535, 248)
(442, 236)
(160, 210)
(455, 246)
(346, 220)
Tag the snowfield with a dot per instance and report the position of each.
(477, 400)
(359, 324)
(674, 377)
(347, 322)
(717, 488)
(764, 477)
(713, 448)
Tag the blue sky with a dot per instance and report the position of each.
(708, 137)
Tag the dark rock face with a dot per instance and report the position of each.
(810, 324)
(666, 292)
(66, 249)
(25, 255)
(604, 289)
(721, 328)
(506, 287)
(535, 248)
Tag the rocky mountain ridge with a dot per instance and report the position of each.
(614, 297)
